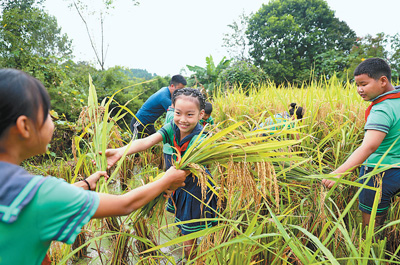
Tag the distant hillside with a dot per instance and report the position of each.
(140, 73)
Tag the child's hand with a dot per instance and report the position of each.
(92, 179)
(176, 178)
(112, 155)
(167, 193)
(329, 183)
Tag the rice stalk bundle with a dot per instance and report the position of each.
(236, 145)
(230, 145)
(99, 133)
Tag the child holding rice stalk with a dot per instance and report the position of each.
(34, 210)
(380, 146)
(186, 203)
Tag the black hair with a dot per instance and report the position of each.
(298, 110)
(178, 79)
(21, 94)
(208, 108)
(190, 92)
(374, 68)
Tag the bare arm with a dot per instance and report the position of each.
(371, 142)
(92, 180)
(113, 155)
(115, 205)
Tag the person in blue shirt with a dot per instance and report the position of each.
(142, 125)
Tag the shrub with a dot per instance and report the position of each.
(242, 74)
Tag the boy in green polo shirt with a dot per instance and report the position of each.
(382, 131)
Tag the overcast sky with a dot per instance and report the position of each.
(163, 36)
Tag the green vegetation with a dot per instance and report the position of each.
(272, 208)
(286, 36)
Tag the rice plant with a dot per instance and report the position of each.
(271, 208)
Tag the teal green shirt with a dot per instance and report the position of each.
(210, 120)
(279, 119)
(167, 132)
(58, 211)
(385, 117)
(167, 149)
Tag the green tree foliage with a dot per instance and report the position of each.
(21, 4)
(207, 76)
(242, 74)
(30, 32)
(135, 91)
(286, 36)
(140, 73)
(69, 94)
(382, 46)
(31, 40)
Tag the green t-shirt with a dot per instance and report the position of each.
(167, 132)
(385, 117)
(210, 120)
(167, 149)
(58, 211)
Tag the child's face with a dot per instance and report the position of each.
(369, 88)
(206, 116)
(187, 115)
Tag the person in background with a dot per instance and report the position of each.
(35, 210)
(207, 119)
(142, 125)
(295, 112)
(167, 149)
(380, 146)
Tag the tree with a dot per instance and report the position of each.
(140, 73)
(236, 42)
(100, 9)
(383, 46)
(28, 30)
(286, 36)
(207, 76)
(242, 74)
(31, 40)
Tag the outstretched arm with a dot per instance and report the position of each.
(91, 180)
(115, 205)
(113, 155)
(371, 142)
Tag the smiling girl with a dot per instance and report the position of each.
(35, 210)
(180, 133)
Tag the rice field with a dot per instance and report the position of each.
(272, 206)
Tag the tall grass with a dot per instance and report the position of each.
(272, 207)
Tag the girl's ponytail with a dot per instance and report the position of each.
(298, 110)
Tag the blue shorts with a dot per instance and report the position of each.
(390, 186)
